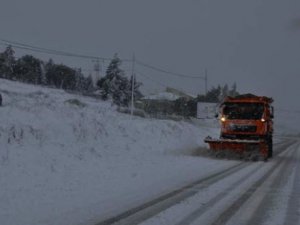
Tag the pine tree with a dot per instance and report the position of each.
(213, 95)
(233, 92)
(218, 94)
(66, 77)
(7, 63)
(60, 76)
(49, 69)
(29, 69)
(115, 84)
(224, 92)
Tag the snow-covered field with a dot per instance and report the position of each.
(70, 160)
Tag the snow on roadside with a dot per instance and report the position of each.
(68, 159)
(287, 123)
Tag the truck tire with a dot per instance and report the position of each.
(270, 146)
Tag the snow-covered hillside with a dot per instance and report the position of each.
(69, 159)
(72, 158)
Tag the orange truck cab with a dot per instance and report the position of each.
(246, 126)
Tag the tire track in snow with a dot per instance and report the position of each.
(145, 211)
(151, 208)
(293, 211)
(198, 212)
(273, 189)
(282, 146)
(219, 199)
(231, 210)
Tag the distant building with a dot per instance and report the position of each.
(180, 93)
(170, 94)
(164, 103)
(206, 110)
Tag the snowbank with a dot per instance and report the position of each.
(68, 159)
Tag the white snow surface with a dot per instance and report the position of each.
(62, 164)
(68, 164)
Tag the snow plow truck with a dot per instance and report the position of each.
(246, 127)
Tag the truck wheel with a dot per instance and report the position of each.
(270, 147)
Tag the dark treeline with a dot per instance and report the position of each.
(28, 69)
(188, 107)
(217, 94)
(114, 85)
(32, 70)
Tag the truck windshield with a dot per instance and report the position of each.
(246, 111)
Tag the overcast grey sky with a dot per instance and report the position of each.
(252, 42)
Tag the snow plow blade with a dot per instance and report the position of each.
(249, 149)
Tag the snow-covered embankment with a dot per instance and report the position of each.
(68, 159)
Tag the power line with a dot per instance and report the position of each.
(149, 78)
(168, 72)
(45, 50)
(159, 83)
(69, 54)
(24, 48)
(52, 51)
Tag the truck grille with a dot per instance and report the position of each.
(243, 128)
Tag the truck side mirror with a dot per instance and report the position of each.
(272, 112)
(216, 115)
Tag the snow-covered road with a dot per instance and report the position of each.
(246, 193)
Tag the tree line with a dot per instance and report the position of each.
(114, 85)
(29, 69)
(217, 94)
(188, 107)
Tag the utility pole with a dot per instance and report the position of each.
(132, 84)
(205, 78)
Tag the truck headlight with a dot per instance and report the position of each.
(223, 119)
(262, 120)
